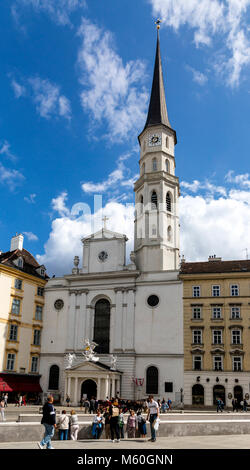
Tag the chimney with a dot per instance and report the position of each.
(16, 242)
(214, 258)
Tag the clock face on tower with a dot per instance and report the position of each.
(154, 139)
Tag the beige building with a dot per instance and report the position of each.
(22, 282)
(216, 300)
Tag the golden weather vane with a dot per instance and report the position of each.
(158, 23)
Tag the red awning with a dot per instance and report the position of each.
(19, 383)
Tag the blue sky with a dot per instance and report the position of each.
(75, 81)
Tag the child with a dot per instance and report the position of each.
(141, 424)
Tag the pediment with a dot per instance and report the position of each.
(89, 366)
(104, 234)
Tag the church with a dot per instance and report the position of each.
(133, 312)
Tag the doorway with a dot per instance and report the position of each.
(89, 388)
(238, 393)
(219, 392)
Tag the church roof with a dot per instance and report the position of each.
(104, 234)
(157, 111)
(213, 267)
(30, 264)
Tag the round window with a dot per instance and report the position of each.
(58, 304)
(153, 300)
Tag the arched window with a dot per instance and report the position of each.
(143, 169)
(169, 233)
(168, 202)
(167, 142)
(154, 200)
(54, 378)
(154, 231)
(152, 380)
(141, 204)
(154, 164)
(167, 166)
(102, 326)
(198, 394)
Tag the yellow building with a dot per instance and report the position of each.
(216, 311)
(22, 282)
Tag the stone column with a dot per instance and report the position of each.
(71, 320)
(88, 327)
(113, 388)
(65, 387)
(107, 388)
(76, 390)
(81, 326)
(98, 389)
(69, 386)
(130, 324)
(118, 320)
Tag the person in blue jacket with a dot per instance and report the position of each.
(49, 422)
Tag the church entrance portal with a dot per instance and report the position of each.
(89, 388)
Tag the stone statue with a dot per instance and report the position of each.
(70, 359)
(75, 270)
(88, 351)
(113, 362)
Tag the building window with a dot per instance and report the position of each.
(236, 337)
(196, 291)
(154, 231)
(10, 361)
(40, 291)
(196, 313)
(152, 380)
(154, 165)
(216, 313)
(197, 363)
(20, 262)
(153, 200)
(197, 337)
(169, 233)
(54, 378)
(13, 333)
(234, 290)
(168, 202)
(102, 326)
(167, 166)
(237, 363)
(34, 364)
(215, 291)
(217, 337)
(235, 312)
(167, 142)
(37, 337)
(39, 313)
(218, 363)
(15, 306)
(18, 284)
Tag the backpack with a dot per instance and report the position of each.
(115, 411)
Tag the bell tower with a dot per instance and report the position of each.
(157, 189)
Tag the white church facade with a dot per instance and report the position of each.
(133, 311)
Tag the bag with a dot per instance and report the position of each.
(115, 411)
(156, 424)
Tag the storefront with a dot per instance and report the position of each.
(21, 384)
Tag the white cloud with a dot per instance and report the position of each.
(12, 178)
(119, 175)
(220, 20)
(19, 89)
(65, 238)
(112, 91)
(59, 204)
(5, 150)
(210, 188)
(242, 180)
(48, 100)
(30, 199)
(209, 225)
(58, 10)
(31, 236)
(198, 77)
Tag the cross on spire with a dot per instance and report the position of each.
(104, 219)
(158, 23)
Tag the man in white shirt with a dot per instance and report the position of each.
(153, 414)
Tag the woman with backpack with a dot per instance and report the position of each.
(141, 424)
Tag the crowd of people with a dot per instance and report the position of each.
(109, 417)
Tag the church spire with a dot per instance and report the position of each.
(157, 111)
